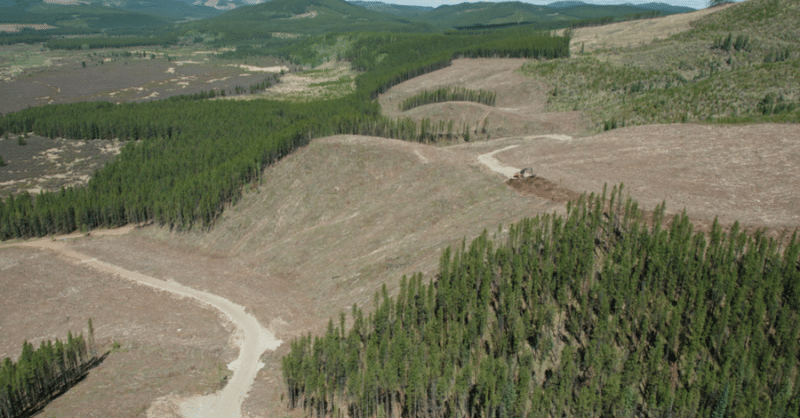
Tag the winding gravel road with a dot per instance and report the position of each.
(251, 338)
(491, 163)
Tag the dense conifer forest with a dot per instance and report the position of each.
(595, 313)
(190, 158)
(41, 374)
(448, 95)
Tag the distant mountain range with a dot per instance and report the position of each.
(395, 9)
(408, 10)
(314, 17)
(400, 9)
(206, 8)
(11, 10)
(310, 16)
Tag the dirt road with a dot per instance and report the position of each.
(493, 164)
(251, 338)
(489, 161)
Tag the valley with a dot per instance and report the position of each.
(126, 76)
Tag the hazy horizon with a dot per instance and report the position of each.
(694, 4)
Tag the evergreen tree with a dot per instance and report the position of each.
(536, 325)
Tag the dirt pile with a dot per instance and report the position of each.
(541, 187)
(745, 173)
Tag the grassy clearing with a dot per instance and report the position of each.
(15, 59)
(330, 81)
(689, 77)
(316, 50)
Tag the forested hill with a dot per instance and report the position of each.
(307, 17)
(590, 314)
(84, 18)
(258, 24)
(489, 13)
(194, 157)
(395, 9)
(38, 11)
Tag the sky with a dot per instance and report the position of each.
(695, 4)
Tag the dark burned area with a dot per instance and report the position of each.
(126, 80)
(543, 188)
(49, 164)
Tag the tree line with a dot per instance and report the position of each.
(389, 59)
(595, 21)
(606, 20)
(449, 94)
(109, 42)
(593, 313)
(193, 157)
(189, 161)
(742, 43)
(39, 375)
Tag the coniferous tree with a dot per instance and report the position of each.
(536, 325)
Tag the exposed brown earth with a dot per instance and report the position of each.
(167, 345)
(636, 32)
(544, 188)
(335, 220)
(745, 173)
(13, 28)
(519, 109)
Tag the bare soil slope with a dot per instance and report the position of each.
(746, 173)
(327, 227)
(636, 32)
(166, 345)
(519, 109)
(337, 219)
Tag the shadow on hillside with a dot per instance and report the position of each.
(91, 364)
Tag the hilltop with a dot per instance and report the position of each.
(38, 11)
(308, 17)
(701, 66)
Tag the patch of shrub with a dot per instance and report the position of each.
(449, 95)
(773, 104)
(742, 43)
